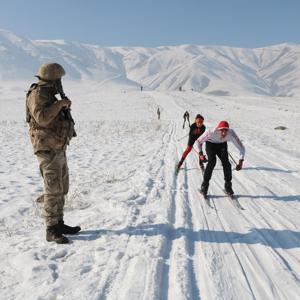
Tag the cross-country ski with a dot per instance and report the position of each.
(234, 200)
(207, 199)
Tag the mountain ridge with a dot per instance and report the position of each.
(220, 70)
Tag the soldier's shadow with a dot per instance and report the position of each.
(283, 239)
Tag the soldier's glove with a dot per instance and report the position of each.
(65, 103)
(202, 157)
(239, 166)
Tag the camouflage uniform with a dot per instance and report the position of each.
(54, 169)
(50, 132)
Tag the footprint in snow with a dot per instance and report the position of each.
(85, 269)
(59, 254)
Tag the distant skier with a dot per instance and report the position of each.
(158, 113)
(142, 88)
(216, 145)
(196, 130)
(186, 117)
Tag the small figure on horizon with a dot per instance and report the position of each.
(158, 113)
(142, 88)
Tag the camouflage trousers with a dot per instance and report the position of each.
(55, 172)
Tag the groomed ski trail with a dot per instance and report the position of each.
(240, 252)
(147, 233)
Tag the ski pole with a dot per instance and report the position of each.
(196, 151)
(182, 137)
(201, 166)
(232, 158)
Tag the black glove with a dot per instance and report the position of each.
(202, 157)
(239, 166)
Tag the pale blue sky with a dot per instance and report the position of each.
(242, 23)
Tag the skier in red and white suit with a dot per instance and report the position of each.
(196, 130)
(216, 145)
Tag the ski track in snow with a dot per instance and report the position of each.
(147, 233)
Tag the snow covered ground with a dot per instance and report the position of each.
(147, 234)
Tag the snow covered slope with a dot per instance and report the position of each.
(147, 234)
(273, 71)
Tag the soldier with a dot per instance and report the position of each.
(51, 128)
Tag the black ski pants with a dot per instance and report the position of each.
(220, 150)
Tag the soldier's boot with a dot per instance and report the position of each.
(66, 229)
(53, 234)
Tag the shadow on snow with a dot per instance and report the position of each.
(284, 239)
(268, 169)
(271, 197)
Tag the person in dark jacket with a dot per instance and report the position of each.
(196, 130)
(186, 117)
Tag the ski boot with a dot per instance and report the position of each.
(228, 188)
(178, 166)
(204, 188)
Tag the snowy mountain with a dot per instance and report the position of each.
(218, 70)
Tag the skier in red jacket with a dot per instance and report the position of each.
(196, 130)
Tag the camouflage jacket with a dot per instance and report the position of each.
(49, 128)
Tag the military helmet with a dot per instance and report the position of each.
(51, 71)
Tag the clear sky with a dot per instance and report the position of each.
(241, 23)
